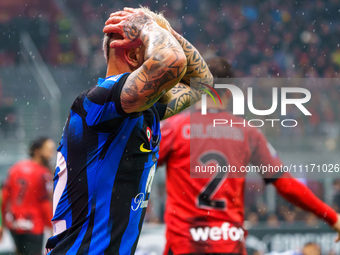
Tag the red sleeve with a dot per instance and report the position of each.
(298, 194)
(263, 154)
(167, 139)
(46, 204)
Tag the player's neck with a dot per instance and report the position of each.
(117, 67)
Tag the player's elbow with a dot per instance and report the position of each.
(181, 60)
(175, 63)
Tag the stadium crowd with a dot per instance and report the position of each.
(275, 38)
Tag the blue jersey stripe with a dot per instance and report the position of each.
(97, 114)
(106, 179)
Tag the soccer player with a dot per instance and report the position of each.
(205, 215)
(26, 204)
(108, 152)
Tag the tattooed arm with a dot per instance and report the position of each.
(196, 66)
(183, 95)
(164, 65)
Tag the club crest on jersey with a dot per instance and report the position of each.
(148, 133)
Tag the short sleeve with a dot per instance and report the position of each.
(102, 103)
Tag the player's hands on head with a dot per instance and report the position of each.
(336, 227)
(128, 23)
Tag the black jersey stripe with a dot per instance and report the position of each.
(85, 244)
(109, 126)
(139, 228)
(77, 174)
(98, 95)
(125, 188)
(78, 105)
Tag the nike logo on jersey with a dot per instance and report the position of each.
(142, 149)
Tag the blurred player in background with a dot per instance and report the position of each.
(108, 153)
(205, 215)
(309, 248)
(27, 206)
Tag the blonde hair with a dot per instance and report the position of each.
(159, 17)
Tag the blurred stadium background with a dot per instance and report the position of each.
(50, 51)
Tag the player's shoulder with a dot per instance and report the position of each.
(23, 163)
(100, 89)
(99, 93)
(26, 165)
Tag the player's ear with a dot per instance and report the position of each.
(134, 57)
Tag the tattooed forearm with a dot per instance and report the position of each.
(164, 66)
(182, 97)
(196, 66)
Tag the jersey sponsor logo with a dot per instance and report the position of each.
(224, 232)
(138, 201)
(142, 149)
(23, 224)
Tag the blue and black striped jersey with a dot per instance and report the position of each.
(105, 166)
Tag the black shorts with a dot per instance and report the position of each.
(28, 244)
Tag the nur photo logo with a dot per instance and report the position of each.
(281, 98)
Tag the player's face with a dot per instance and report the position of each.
(47, 152)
